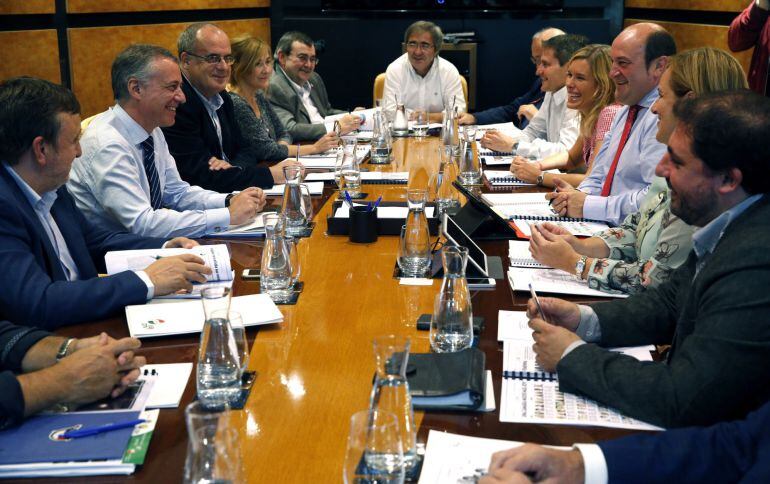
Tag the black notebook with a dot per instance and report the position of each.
(447, 381)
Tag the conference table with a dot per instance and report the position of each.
(315, 369)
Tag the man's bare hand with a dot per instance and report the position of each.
(467, 118)
(527, 111)
(215, 164)
(245, 206)
(176, 273)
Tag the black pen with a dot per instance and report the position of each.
(537, 301)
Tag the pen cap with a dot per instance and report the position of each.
(363, 225)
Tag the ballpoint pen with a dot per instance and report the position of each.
(537, 302)
(348, 200)
(74, 434)
(377, 202)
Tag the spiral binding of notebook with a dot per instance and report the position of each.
(526, 263)
(543, 218)
(486, 152)
(531, 375)
(384, 182)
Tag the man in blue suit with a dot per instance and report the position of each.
(725, 452)
(49, 252)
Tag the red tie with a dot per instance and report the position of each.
(630, 118)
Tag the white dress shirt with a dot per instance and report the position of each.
(440, 85)
(110, 186)
(635, 170)
(554, 128)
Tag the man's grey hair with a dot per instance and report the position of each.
(424, 26)
(547, 33)
(285, 42)
(189, 36)
(135, 61)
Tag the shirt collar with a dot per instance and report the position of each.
(305, 87)
(134, 131)
(433, 68)
(559, 97)
(213, 103)
(705, 239)
(44, 202)
(649, 98)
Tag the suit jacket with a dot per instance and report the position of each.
(193, 140)
(507, 113)
(292, 113)
(35, 290)
(718, 324)
(726, 452)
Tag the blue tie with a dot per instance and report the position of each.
(156, 196)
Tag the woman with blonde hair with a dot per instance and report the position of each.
(261, 128)
(651, 243)
(591, 92)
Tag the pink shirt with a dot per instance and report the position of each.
(602, 126)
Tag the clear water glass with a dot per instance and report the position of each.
(381, 141)
(451, 327)
(350, 174)
(447, 196)
(420, 123)
(275, 269)
(218, 373)
(470, 169)
(390, 392)
(296, 206)
(414, 249)
(374, 452)
(400, 122)
(213, 455)
(241, 341)
(292, 245)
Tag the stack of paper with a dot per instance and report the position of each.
(217, 257)
(519, 255)
(316, 188)
(164, 319)
(553, 281)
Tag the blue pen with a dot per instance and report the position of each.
(377, 202)
(74, 434)
(369, 207)
(348, 200)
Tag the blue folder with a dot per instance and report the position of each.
(33, 441)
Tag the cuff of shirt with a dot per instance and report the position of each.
(146, 279)
(595, 207)
(218, 200)
(572, 346)
(329, 127)
(217, 220)
(594, 463)
(588, 328)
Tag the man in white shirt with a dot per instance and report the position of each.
(554, 128)
(298, 93)
(420, 79)
(126, 177)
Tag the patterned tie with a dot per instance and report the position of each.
(632, 112)
(156, 195)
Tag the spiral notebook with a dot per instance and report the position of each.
(531, 395)
(553, 281)
(519, 255)
(504, 178)
(487, 152)
(490, 160)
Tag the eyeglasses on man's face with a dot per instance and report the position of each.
(214, 58)
(413, 45)
(306, 59)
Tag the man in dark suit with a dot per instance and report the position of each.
(298, 93)
(205, 140)
(49, 252)
(725, 452)
(714, 310)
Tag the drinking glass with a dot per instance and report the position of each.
(374, 453)
(213, 454)
(292, 245)
(420, 123)
(241, 341)
(350, 174)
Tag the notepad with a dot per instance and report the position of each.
(519, 255)
(553, 281)
(487, 152)
(216, 257)
(513, 325)
(316, 188)
(170, 380)
(500, 160)
(164, 319)
(504, 178)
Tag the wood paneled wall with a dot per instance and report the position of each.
(91, 67)
(689, 34)
(94, 35)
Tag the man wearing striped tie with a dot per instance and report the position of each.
(126, 177)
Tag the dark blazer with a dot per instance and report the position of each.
(718, 324)
(726, 452)
(508, 112)
(292, 113)
(35, 290)
(193, 140)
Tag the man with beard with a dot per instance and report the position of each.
(714, 310)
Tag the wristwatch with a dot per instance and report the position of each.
(539, 179)
(228, 198)
(64, 348)
(580, 266)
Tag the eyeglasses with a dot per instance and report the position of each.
(214, 58)
(305, 59)
(422, 45)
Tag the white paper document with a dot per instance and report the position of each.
(170, 381)
(504, 178)
(513, 325)
(164, 319)
(491, 160)
(552, 281)
(576, 228)
(217, 257)
(382, 212)
(316, 188)
(452, 458)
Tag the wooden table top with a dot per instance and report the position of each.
(315, 369)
